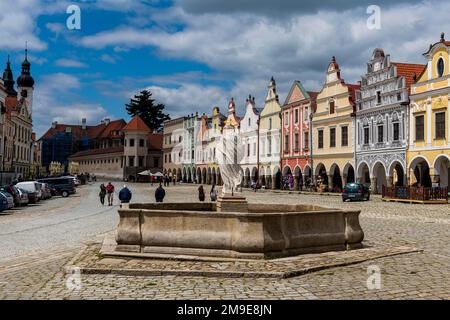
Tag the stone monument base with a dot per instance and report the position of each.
(231, 203)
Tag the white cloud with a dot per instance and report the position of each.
(18, 24)
(56, 99)
(300, 47)
(187, 98)
(108, 58)
(70, 63)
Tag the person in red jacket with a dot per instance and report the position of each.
(110, 193)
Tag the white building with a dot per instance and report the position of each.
(249, 135)
(381, 121)
(269, 139)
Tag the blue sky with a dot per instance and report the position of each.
(196, 54)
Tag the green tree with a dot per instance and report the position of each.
(144, 106)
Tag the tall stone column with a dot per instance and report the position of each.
(330, 183)
(274, 184)
(219, 180)
(390, 181)
(373, 185)
(344, 180)
(296, 180)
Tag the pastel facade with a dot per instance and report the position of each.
(269, 139)
(188, 162)
(214, 133)
(333, 131)
(428, 155)
(382, 123)
(201, 145)
(249, 131)
(173, 148)
(295, 155)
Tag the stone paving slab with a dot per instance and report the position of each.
(91, 261)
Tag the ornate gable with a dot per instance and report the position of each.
(297, 93)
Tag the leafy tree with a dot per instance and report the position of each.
(145, 107)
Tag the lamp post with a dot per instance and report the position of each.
(313, 178)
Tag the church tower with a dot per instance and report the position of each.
(8, 80)
(25, 83)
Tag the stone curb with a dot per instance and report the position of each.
(237, 274)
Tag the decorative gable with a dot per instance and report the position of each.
(297, 93)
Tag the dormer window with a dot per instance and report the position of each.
(440, 67)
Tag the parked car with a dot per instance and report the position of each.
(12, 190)
(3, 203)
(23, 197)
(31, 186)
(53, 190)
(9, 199)
(356, 191)
(46, 193)
(65, 186)
(32, 198)
(76, 181)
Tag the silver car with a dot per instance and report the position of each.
(23, 197)
(9, 198)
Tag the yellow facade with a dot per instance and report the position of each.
(332, 162)
(428, 154)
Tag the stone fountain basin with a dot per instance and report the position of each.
(265, 231)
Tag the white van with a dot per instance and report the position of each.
(31, 186)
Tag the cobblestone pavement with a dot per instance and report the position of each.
(60, 227)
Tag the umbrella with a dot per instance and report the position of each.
(145, 173)
(158, 174)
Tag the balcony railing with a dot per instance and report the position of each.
(416, 193)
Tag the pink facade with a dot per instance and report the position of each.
(296, 138)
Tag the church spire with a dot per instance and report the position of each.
(25, 80)
(8, 79)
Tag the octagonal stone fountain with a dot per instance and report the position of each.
(232, 227)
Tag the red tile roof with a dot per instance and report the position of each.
(155, 141)
(408, 70)
(97, 152)
(352, 88)
(116, 125)
(313, 94)
(93, 132)
(136, 124)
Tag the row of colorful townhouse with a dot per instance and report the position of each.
(390, 129)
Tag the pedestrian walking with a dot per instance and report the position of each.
(152, 180)
(102, 194)
(110, 193)
(213, 193)
(124, 195)
(160, 193)
(201, 193)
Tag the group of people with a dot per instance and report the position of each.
(212, 193)
(160, 193)
(168, 179)
(108, 191)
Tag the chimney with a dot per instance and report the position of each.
(107, 121)
(54, 123)
(83, 123)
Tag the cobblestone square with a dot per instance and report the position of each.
(40, 241)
